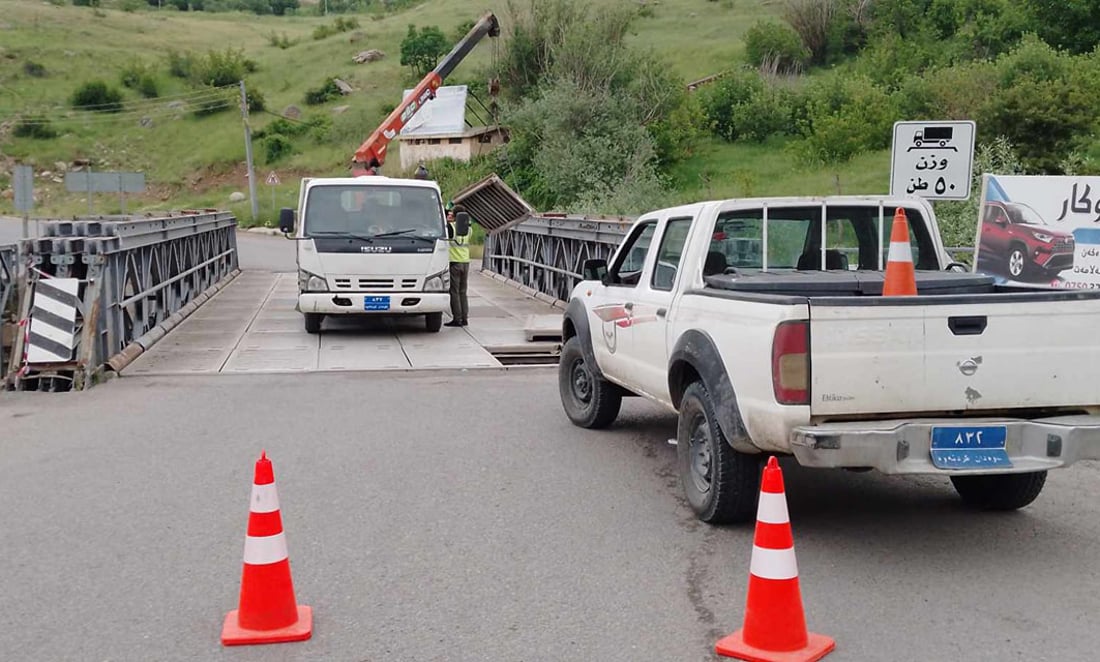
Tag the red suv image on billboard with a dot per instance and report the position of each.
(1018, 244)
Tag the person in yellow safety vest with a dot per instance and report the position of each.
(460, 268)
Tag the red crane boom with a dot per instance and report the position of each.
(372, 153)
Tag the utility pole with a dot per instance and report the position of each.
(248, 154)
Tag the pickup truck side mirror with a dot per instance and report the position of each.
(594, 269)
(286, 220)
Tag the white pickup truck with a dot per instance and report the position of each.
(762, 322)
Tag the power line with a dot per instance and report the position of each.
(134, 105)
(101, 117)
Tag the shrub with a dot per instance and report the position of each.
(140, 77)
(421, 49)
(326, 92)
(85, 3)
(34, 69)
(96, 95)
(845, 116)
(341, 24)
(256, 101)
(34, 127)
(220, 68)
(277, 147)
(742, 106)
(767, 41)
(180, 64)
(280, 41)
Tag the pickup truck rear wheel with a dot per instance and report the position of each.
(589, 400)
(1000, 491)
(720, 483)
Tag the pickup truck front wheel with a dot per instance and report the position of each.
(1000, 491)
(720, 483)
(589, 400)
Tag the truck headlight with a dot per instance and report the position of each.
(1045, 238)
(440, 282)
(308, 282)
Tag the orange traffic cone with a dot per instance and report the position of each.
(775, 627)
(267, 613)
(900, 277)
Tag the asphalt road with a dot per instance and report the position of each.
(459, 516)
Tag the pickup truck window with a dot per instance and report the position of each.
(794, 239)
(627, 269)
(670, 252)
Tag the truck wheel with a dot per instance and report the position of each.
(589, 400)
(433, 322)
(720, 483)
(313, 322)
(1001, 491)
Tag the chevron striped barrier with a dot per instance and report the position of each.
(101, 291)
(8, 281)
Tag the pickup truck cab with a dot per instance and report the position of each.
(370, 246)
(762, 323)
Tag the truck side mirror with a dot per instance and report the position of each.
(594, 269)
(462, 223)
(286, 220)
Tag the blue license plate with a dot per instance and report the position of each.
(970, 447)
(376, 303)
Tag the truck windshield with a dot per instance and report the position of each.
(370, 211)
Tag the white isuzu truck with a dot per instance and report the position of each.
(762, 323)
(370, 246)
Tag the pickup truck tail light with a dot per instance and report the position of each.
(791, 363)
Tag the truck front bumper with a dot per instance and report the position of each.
(349, 303)
(905, 447)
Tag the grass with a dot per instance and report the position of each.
(198, 162)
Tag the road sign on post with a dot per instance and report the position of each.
(933, 160)
(273, 179)
(105, 182)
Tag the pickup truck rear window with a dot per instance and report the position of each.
(794, 239)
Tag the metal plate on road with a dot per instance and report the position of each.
(933, 160)
(970, 447)
(376, 303)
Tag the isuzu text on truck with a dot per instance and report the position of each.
(762, 322)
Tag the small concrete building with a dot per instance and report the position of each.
(458, 146)
(438, 130)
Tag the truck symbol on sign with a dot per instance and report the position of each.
(933, 137)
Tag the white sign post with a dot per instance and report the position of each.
(933, 160)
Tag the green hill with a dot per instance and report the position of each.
(49, 50)
(784, 134)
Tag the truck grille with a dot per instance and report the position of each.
(374, 284)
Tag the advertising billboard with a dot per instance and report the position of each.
(1040, 231)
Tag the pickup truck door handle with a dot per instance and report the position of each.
(661, 312)
(967, 326)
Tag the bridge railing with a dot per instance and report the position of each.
(545, 253)
(101, 291)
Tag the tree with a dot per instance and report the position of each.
(421, 49)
